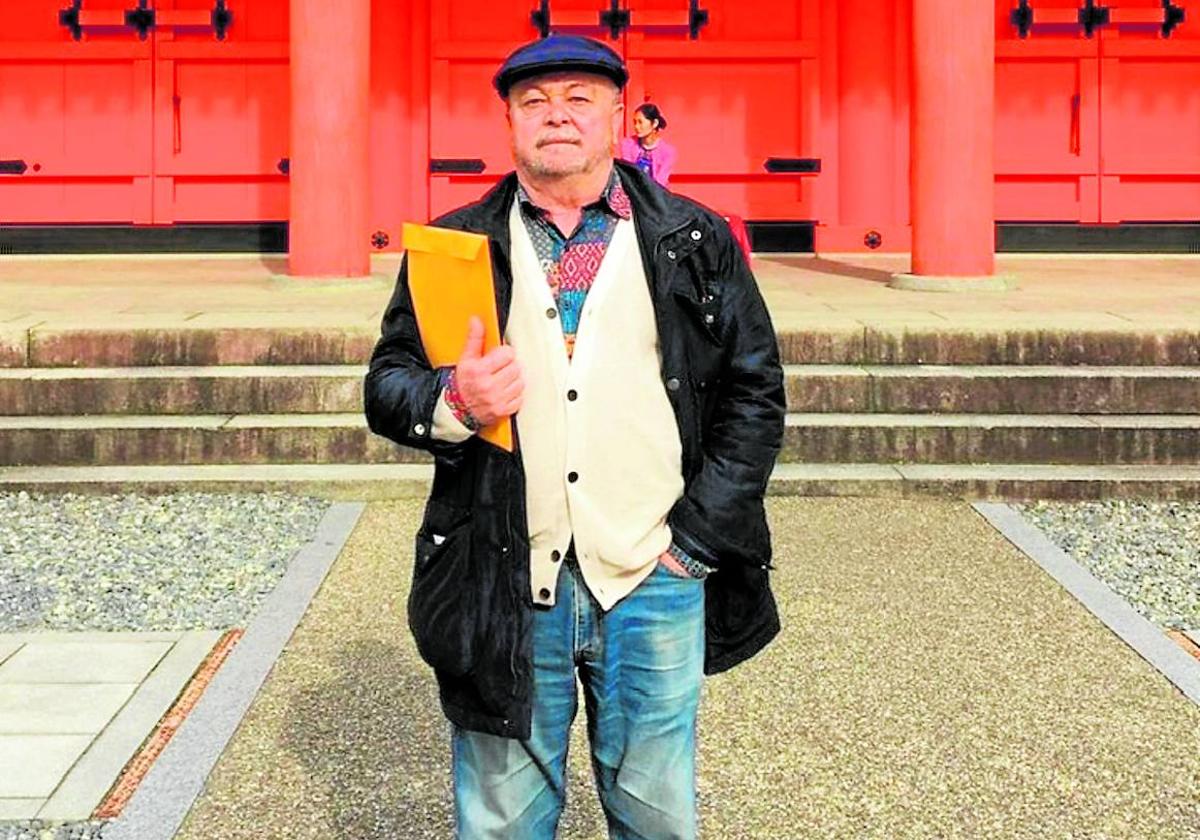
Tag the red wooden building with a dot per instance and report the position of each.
(854, 124)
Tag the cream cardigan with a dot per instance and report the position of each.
(598, 438)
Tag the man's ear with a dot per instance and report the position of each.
(618, 120)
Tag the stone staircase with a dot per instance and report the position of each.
(1004, 415)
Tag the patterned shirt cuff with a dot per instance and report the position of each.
(694, 567)
(455, 400)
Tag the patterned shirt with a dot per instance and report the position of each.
(571, 263)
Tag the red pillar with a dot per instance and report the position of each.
(330, 55)
(953, 171)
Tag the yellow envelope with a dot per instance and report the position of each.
(450, 279)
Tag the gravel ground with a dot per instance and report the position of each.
(132, 562)
(930, 681)
(1146, 552)
(35, 830)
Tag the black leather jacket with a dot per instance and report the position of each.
(470, 608)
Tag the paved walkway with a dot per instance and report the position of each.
(1057, 292)
(930, 681)
(76, 707)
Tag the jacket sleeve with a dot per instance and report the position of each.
(721, 516)
(402, 390)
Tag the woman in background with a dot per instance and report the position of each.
(652, 154)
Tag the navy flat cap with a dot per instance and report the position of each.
(558, 53)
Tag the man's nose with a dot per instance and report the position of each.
(556, 114)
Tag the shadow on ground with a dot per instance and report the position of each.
(372, 738)
(820, 265)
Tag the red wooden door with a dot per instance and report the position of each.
(1150, 107)
(742, 92)
(468, 139)
(178, 125)
(75, 116)
(1047, 113)
(221, 112)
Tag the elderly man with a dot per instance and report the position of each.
(625, 540)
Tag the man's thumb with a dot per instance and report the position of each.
(474, 346)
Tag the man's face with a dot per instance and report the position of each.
(563, 124)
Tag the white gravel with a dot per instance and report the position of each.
(1146, 552)
(135, 562)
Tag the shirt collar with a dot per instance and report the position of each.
(614, 199)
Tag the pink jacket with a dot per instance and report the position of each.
(663, 157)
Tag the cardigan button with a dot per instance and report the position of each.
(544, 594)
(572, 395)
(696, 235)
(551, 312)
(672, 384)
(555, 556)
(708, 319)
(670, 255)
(419, 429)
(572, 477)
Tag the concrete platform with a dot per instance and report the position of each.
(75, 707)
(147, 310)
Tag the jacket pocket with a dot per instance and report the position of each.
(703, 315)
(441, 603)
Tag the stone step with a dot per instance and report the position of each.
(239, 341)
(809, 438)
(197, 439)
(214, 389)
(950, 345)
(141, 342)
(393, 481)
(286, 389)
(993, 389)
(992, 439)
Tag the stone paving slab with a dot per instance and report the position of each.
(19, 809)
(43, 760)
(7, 648)
(97, 663)
(91, 777)
(31, 709)
(87, 637)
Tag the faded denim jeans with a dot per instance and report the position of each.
(641, 665)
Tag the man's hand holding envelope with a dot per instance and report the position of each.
(491, 383)
(454, 300)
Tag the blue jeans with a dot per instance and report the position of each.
(641, 665)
